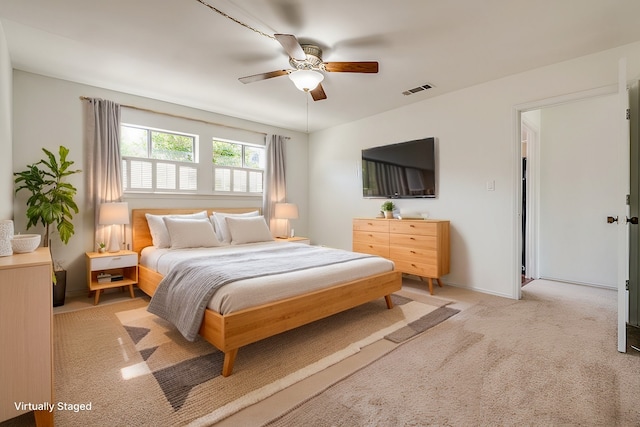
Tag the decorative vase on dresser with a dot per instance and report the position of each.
(418, 247)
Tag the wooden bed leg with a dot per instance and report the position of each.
(387, 298)
(229, 358)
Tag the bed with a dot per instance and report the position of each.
(232, 330)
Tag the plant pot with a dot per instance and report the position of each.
(59, 288)
(388, 214)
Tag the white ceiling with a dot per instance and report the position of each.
(180, 51)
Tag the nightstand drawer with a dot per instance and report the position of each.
(115, 261)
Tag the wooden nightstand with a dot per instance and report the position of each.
(123, 263)
(296, 239)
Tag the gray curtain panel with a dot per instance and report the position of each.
(275, 189)
(102, 143)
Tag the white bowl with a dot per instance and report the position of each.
(22, 243)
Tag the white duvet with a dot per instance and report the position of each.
(251, 292)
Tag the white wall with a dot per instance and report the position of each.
(577, 159)
(6, 168)
(477, 143)
(47, 113)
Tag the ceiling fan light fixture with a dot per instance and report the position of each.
(306, 80)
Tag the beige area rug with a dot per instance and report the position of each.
(549, 359)
(134, 369)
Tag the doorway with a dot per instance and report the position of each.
(576, 176)
(541, 217)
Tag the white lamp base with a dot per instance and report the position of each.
(114, 241)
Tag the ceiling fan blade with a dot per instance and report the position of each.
(352, 67)
(291, 46)
(318, 93)
(263, 76)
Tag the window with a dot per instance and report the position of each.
(237, 167)
(154, 160)
(166, 161)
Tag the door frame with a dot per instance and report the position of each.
(517, 111)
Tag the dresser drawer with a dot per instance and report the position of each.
(413, 241)
(377, 225)
(371, 248)
(371, 237)
(423, 228)
(422, 256)
(419, 269)
(116, 261)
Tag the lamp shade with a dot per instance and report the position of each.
(114, 213)
(286, 211)
(306, 80)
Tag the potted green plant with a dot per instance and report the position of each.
(388, 207)
(51, 202)
(102, 247)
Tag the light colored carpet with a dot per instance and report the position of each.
(549, 359)
(135, 369)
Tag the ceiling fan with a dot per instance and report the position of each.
(308, 67)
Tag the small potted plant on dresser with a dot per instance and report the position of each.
(51, 202)
(387, 208)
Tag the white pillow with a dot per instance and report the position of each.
(248, 230)
(158, 229)
(222, 231)
(191, 233)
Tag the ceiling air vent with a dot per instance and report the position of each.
(417, 89)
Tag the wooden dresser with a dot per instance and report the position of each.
(26, 334)
(418, 247)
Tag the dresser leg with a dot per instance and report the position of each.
(430, 286)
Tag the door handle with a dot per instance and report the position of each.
(611, 220)
(632, 220)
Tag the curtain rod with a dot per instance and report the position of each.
(86, 98)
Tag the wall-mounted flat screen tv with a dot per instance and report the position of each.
(403, 170)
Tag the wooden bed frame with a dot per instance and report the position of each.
(231, 331)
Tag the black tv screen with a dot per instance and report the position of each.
(403, 170)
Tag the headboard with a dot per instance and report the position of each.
(140, 234)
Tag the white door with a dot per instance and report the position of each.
(578, 164)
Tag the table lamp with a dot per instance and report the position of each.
(286, 211)
(114, 214)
